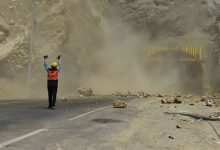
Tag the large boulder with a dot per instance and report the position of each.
(119, 104)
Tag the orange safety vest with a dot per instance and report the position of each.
(52, 74)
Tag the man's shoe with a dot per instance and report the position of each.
(50, 107)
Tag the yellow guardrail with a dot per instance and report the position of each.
(194, 52)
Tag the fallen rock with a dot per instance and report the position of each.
(119, 104)
(177, 100)
(178, 96)
(164, 101)
(178, 126)
(146, 95)
(209, 103)
(85, 92)
(203, 99)
(159, 95)
(141, 94)
(171, 137)
(64, 99)
(169, 100)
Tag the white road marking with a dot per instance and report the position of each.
(14, 103)
(21, 138)
(90, 112)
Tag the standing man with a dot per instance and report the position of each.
(52, 82)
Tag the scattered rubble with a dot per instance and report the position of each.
(119, 104)
(85, 92)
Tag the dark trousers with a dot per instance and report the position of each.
(52, 86)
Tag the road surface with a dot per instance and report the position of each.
(92, 124)
(24, 123)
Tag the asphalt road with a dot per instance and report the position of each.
(23, 123)
(92, 124)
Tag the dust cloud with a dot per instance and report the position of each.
(120, 65)
(109, 55)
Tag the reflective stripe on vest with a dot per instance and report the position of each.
(52, 74)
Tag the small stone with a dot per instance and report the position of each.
(191, 104)
(203, 99)
(178, 126)
(146, 95)
(209, 103)
(64, 99)
(171, 137)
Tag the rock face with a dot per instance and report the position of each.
(119, 104)
(79, 30)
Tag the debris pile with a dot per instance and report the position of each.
(119, 104)
(85, 92)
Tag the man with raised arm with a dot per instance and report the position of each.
(52, 82)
